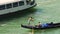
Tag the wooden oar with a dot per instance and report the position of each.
(32, 31)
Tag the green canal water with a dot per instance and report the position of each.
(46, 11)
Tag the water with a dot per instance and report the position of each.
(45, 11)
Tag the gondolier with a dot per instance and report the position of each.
(31, 19)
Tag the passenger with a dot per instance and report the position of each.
(30, 20)
(39, 25)
(51, 22)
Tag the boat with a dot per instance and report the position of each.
(9, 6)
(54, 25)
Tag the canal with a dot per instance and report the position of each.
(46, 11)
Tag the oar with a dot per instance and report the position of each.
(32, 31)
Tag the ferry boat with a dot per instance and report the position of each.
(9, 6)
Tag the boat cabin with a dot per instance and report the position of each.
(6, 4)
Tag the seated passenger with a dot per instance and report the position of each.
(51, 22)
(39, 24)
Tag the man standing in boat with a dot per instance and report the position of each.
(31, 19)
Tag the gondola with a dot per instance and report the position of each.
(54, 25)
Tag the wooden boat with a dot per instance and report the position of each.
(54, 25)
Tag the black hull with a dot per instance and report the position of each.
(56, 25)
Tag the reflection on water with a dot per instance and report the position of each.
(46, 31)
(17, 14)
